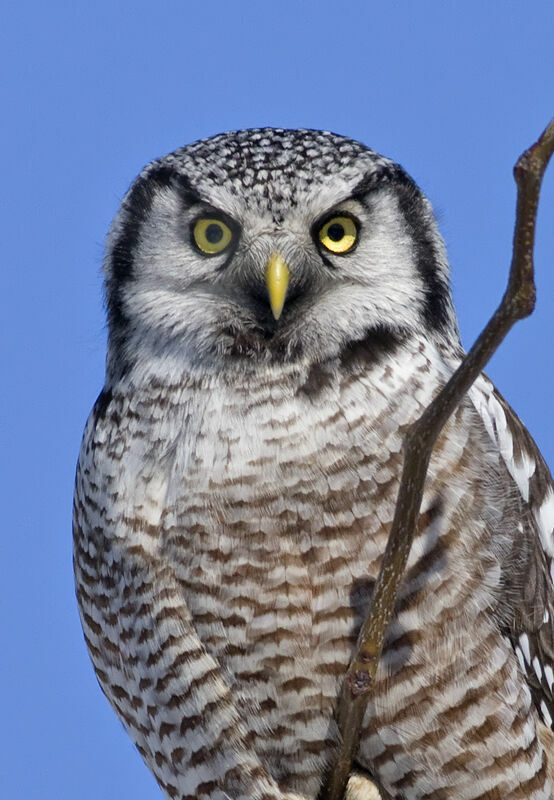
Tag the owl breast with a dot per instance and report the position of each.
(277, 512)
(266, 506)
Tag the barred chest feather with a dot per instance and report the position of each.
(271, 497)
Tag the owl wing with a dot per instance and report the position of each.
(530, 599)
(165, 687)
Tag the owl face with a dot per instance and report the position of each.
(271, 246)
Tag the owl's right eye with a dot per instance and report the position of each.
(211, 235)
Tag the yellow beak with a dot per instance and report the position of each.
(277, 280)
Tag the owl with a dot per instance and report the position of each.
(279, 313)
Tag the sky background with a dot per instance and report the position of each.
(90, 92)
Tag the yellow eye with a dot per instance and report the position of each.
(211, 235)
(338, 234)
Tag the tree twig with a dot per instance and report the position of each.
(517, 303)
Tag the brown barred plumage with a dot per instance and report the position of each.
(237, 482)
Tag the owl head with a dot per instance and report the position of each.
(269, 246)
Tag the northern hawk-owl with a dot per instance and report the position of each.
(279, 313)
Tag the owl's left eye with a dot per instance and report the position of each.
(338, 234)
(211, 235)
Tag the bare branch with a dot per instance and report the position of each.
(517, 303)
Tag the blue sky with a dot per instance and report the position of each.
(90, 92)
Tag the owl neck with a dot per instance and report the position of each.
(303, 370)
